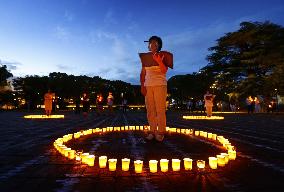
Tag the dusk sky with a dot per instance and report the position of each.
(103, 38)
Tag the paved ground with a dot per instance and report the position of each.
(28, 161)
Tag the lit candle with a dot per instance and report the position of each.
(138, 165)
(213, 161)
(221, 160)
(153, 166)
(102, 161)
(66, 150)
(90, 160)
(226, 157)
(196, 133)
(112, 164)
(200, 164)
(71, 154)
(78, 156)
(209, 135)
(84, 157)
(232, 154)
(187, 163)
(164, 164)
(176, 164)
(125, 164)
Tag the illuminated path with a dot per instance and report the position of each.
(29, 162)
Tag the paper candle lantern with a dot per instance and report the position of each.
(187, 162)
(90, 160)
(164, 164)
(196, 133)
(226, 157)
(176, 164)
(102, 161)
(221, 160)
(125, 164)
(112, 164)
(153, 166)
(213, 161)
(138, 165)
(232, 154)
(200, 164)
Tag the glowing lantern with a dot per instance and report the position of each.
(200, 164)
(84, 157)
(153, 166)
(209, 135)
(232, 154)
(90, 160)
(214, 136)
(102, 161)
(112, 164)
(138, 165)
(187, 162)
(213, 161)
(221, 160)
(78, 156)
(164, 164)
(71, 154)
(125, 164)
(226, 157)
(176, 164)
(196, 133)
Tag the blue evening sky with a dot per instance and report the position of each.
(92, 37)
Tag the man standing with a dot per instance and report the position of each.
(154, 87)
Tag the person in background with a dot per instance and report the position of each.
(208, 98)
(110, 99)
(86, 104)
(99, 103)
(48, 97)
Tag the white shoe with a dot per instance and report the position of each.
(159, 137)
(150, 137)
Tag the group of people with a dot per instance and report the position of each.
(258, 104)
(85, 100)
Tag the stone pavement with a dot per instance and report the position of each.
(29, 162)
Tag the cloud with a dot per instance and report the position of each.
(63, 67)
(61, 33)
(11, 65)
(68, 16)
(109, 18)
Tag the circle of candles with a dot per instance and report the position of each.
(102, 161)
(200, 164)
(125, 164)
(221, 160)
(164, 164)
(213, 162)
(232, 154)
(112, 164)
(138, 166)
(187, 162)
(153, 166)
(176, 164)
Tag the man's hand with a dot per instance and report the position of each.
(159, 59)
